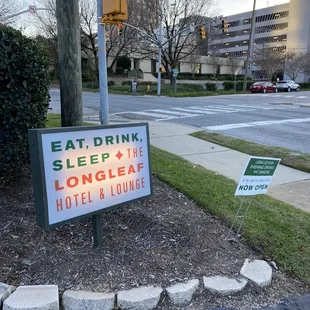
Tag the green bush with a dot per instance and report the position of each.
(126, 83)
(24, 97)
(229, 85)
(111, 83)
(119, 70)
(304, 85)
(210, 86)
(123, 62)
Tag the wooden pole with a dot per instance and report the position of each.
(70, 71)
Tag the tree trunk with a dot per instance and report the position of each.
(69, 57)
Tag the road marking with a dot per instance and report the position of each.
(198, 110)
(215, 109)
(226, 108)
(181, 115)
(156, 115)
(302, 97)
(253, 124)
(248, 106)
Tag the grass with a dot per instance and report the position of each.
(290, 158)
(54, 120)
(280, 231)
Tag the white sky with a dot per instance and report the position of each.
(225, 8)
(230, 7)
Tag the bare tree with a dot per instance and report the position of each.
(234, 64)
(269, 60)
(116, 45)
(177, 17)
(306, 69)
(8, 8)
(295, 63)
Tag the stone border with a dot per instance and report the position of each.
(45, 297)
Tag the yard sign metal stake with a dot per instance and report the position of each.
(255, 180)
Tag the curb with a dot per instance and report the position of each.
(141, 298)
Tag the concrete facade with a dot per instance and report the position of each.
(281, 28)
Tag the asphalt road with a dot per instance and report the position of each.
(281, 119)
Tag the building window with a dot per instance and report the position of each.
(197, 68)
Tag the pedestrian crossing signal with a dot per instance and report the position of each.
(202, 32)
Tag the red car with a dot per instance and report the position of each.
(263, 87)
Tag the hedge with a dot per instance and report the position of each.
(24, 97)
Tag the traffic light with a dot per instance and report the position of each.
(202, 32)
(224, 25)
(120, 30)
(114, 11)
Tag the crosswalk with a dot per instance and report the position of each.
(277, 95)
(194, 111)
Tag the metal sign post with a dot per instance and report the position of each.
(175, 73)
(255, 180)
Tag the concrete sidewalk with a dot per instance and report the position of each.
(288, 185)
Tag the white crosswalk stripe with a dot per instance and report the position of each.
(180, 114)
(196, 111)
(155, 115)
(215, 109)
(253, 124)
(253, 108)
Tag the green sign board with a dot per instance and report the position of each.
(257, 176)
(261, 166)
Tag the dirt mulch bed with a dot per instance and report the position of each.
(162, 240)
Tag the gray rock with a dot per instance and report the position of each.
(182, 293)
(5, 291)
(257, 271)
(37, 297)
(224, 285)
(76, 300)
(142, 298)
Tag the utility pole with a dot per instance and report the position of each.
(70, 71)
(249, 48)
(103, 75)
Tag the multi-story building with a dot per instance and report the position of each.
(280, 28)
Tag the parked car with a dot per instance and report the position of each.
(288, 85)
(263, 87)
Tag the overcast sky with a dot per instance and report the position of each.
(230, 7)
(225, 7)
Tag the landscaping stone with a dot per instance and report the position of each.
(142, 298)
(257, 271)
(37, 297)
(224, 285)
(76, 300)
(182, 293)
(5, 291)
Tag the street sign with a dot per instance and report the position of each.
(175, 72)
(32, 9)
(257, 176)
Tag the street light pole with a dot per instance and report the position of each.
(103, 74)
(159, 48)
(249, 48)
